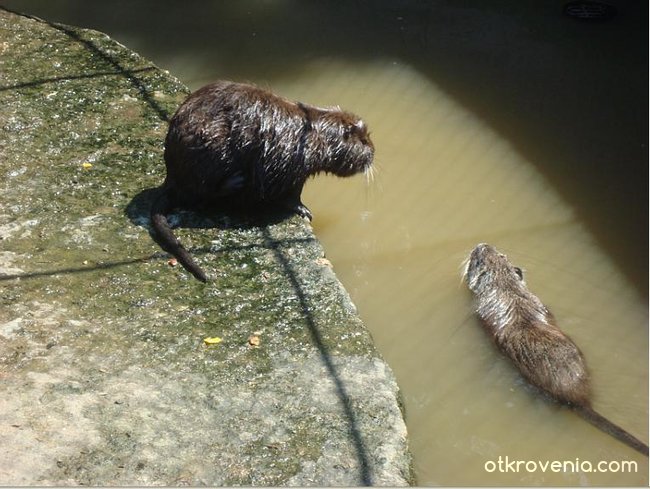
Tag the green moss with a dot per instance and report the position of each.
(105, 339)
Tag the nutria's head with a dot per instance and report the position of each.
(487, 269)
(341, 141)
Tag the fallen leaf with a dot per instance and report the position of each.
(215, 340)
(254, 340)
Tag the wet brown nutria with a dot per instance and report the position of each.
(239, 145)
(525, 331)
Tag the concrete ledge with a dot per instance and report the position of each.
(106, 379)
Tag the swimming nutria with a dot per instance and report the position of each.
(236, 144)
(525, 331)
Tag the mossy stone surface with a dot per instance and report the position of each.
(106, 378)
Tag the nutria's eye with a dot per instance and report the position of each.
(519, 273)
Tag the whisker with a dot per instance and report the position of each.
(370, 175)
(464, 267)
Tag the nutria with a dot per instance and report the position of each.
(526, 332)
(239, 145)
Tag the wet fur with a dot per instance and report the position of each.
(525, 331)
(233, 144)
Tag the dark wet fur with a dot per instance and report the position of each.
(526, 332)
(236, 145)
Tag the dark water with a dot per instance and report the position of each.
(495, 121)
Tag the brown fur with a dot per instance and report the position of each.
(526, 332)
(239, 145)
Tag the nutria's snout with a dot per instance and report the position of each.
(357, 152)
(488, 268)
(367, 155)
(345, 141)
(481, 251)
(476, 263)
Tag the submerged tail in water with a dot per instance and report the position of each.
(610, 428)
(166, 239)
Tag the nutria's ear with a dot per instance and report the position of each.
(360, 130)
(307, 109)
(519, 272)
(311, 113)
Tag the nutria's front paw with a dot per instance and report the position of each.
(302, 210)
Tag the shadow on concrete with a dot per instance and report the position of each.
(219, 219)
(360, 450)
(569, 95)
(128, 74)
(85, 269)
(106, 58)
(96, 74)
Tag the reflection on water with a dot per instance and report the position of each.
(447, 182)
(494, 122)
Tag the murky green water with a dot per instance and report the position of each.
(494, 121)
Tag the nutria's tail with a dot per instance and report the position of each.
(165, 236)
(610, 428)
